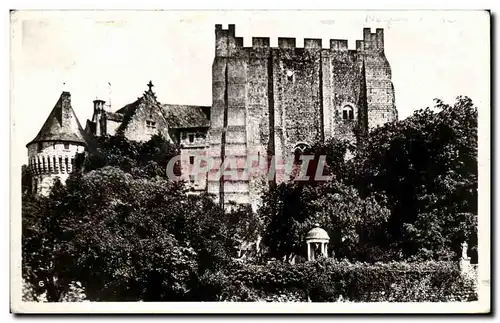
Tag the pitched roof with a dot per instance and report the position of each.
(177, 116)
(62, 124)
(114, 116)
(129, 107)
(90, 127)
(186, 116)
(128, 111)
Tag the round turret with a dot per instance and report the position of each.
(52, 153)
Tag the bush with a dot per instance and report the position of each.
(75, 293)
(328, 280)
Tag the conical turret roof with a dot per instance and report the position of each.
(62, 124)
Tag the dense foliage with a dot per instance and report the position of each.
(294, 208)
(409, 192)
(125, 237)
(328, 280)
(120, 229)
(146, 160)
(426, 166)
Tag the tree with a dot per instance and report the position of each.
(426, 165)
(125, 238)
(42, 244)
(294, 208)
(26, 179)
(141, 159)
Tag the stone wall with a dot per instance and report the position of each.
(111, 127)
(146, 121)
(343, 83)
(298, 116)
(266, 101)
(379, 87)
(193, 150)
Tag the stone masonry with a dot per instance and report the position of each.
(269, 101)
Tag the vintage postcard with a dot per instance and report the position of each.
(250, 161)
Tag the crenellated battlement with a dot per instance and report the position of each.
(373, 41)
(313, 43)
(339, 44)
(227, 43)
(260, 42)
(360, 45)
(286, 42)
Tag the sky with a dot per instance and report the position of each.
(433, 54)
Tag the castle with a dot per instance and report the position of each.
(266, 101)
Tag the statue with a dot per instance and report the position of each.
(464, 250)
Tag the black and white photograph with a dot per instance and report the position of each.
(252, 161)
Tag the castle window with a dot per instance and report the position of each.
(66, 146)
(183, 135)
(192, 179)
(191, 160)
(150, 124)
(289, 75)
(39, 147)
(299, 150)
(191, 138)
(348, 113)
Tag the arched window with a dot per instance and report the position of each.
(348, 113)
(298, 150)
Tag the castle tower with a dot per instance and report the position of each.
(52, 153)
(268, 102)
(378, 75)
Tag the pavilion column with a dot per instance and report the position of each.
(319, 238)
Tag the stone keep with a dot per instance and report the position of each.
(270, 101)
(52, 153)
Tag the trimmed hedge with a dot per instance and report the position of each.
(328, 280)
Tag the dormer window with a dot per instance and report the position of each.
(348, 113)
(191, 138)
(66, 145)
(150, 124)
